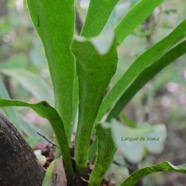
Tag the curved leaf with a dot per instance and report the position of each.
(54, 22)
(94, 72)
(163, 166)
(97, 16)
(134, 17)
(146, 75)
(142, 62)
(44, 110)
(105, 155)
(48, 175)
(55, 174)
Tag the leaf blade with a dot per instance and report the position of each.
(147, 58)
(134, 17)
(97, 8)
(94, 72)
(164, 61)
(162, 166)
(105, 155)
(56, 33)
(146, 75)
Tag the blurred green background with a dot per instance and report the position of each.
(24, 75)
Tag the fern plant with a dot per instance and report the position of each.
(81, 75)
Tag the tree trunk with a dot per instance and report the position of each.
(18, 164)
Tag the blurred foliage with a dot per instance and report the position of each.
(21, 51)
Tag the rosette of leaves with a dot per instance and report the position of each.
(81, 75)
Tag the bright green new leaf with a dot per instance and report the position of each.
(48, 175)
(162, 166)
(44, 110)
(132, 142)
(32, 83)
(94, 72)
(142, 62)
(97, 16)
(105, 155)
(55, 174)
(146, 75)
(54, 22)
(134, 17)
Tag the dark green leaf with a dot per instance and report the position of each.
(142, 62)
(146, 75)
(54, 22)
(94, 72)
(97, 16)
(163, 166)
(134, 17)
(44, 110)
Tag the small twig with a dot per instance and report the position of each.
(83, 179)
(47, 140)
(117, 163)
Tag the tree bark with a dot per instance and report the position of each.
(18, 164)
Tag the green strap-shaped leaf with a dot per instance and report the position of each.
(162, 166)
(94, 72)
(49, 173)
(54, 22)
(97, 16)
(134, 17)
(149, 57)
(105, 155)
(55, 174)
(146, 75)
(139, 82)
(44, 110)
